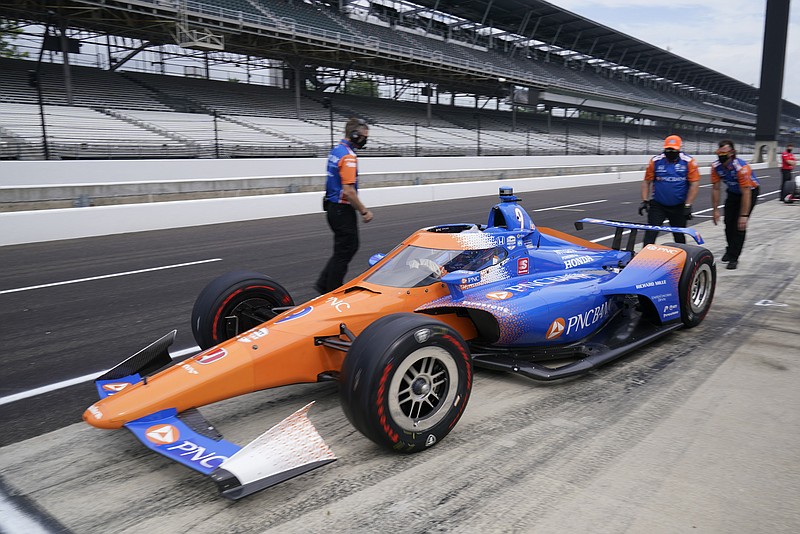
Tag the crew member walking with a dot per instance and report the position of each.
(675, 179)
(341, 204)
(743, 188)
(788, 161)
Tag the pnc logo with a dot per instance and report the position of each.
(115, 387)
(556, 329)
(499, 295)
(210, 357)
(338, 304)
(162, 434)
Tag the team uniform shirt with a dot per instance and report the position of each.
(342, 170)
(788, 161)
(738, 176)
(671, 180)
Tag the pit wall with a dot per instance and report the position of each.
(70, 223)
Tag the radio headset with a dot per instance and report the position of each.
(356, 138)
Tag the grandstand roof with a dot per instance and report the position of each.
(550, 24)
(328, 41)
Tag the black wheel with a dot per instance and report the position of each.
(787, 191)
(697, 284)
(406, 381)
(234, 303)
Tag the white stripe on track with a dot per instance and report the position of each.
(79, 380)
(90, 279)
(569, 205)
(15, 521)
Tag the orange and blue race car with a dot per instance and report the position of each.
(402, 338)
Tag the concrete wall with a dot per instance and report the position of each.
(56, 224)
(37, 173)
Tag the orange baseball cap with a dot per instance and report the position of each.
(673, 141)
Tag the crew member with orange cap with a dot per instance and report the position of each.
(674, 179)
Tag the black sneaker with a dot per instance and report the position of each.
(732, 264)
(726, 258)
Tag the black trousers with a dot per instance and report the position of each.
(656, 215)
(734, 236)
(344, 223)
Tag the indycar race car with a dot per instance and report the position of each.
(403, 337)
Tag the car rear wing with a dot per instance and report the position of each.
(634, 228)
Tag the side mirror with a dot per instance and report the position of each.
(456, 279)
(375, 258)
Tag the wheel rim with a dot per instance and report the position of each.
(245, 315)
(423, 388)
(701, 289)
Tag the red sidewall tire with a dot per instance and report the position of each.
(247, 295)
(406, 381)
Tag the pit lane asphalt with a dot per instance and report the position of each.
(696, 431)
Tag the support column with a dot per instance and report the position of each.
(298, 82)
(66, 67)
(773, 59)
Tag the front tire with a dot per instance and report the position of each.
(406, 381)
(234, 303)
(697, 283)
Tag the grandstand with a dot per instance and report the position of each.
(463, 90)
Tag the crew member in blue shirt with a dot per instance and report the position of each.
(675, 179)
(342, 204)
(743, 188)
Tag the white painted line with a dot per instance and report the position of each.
(90, 279)
(625, 232)
(79, 380)
(570, 205)
(15, 521)
(707, 209)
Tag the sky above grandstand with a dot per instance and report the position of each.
(725, 36)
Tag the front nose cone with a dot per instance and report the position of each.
(95, 417)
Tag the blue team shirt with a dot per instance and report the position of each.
(341, 155)
(736, 176)
(671, 180)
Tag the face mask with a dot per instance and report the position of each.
(672, 155)
(723, 158)
(361, 142)
(789, 150)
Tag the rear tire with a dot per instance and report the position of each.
(697, 283)
(787, 191)
(233, 303)
(406, 381)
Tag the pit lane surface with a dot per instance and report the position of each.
(687, 424)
